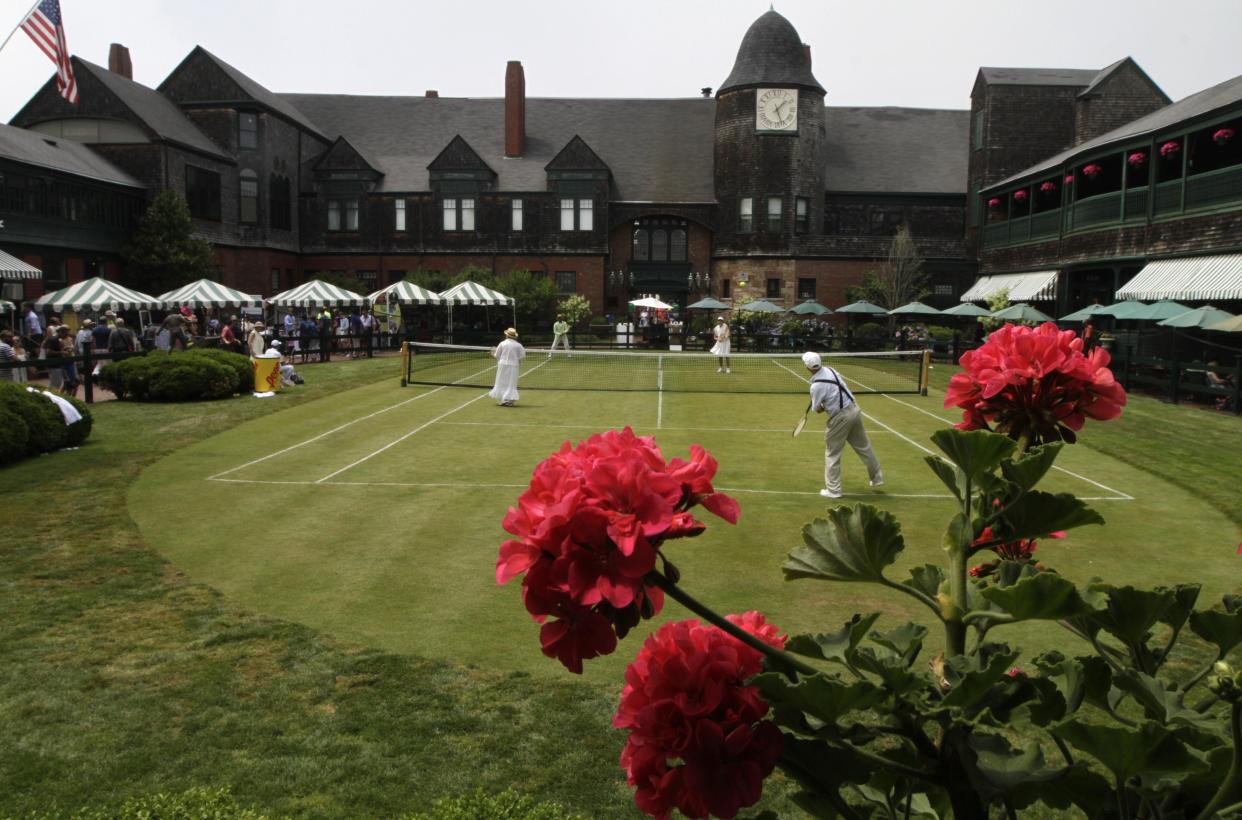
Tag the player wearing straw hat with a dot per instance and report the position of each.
(845, 423)
(507, 354)
(721, 349)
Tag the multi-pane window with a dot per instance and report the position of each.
(806, 288)
(566, 282)
(658, 240)
(515, 215)
(802, 214)
(280, 203)
(458, 214)
(677, 245)
(726, 288)
(577, 214)
(202, 192)
(247, 130)
(774, 214)
(249, 198)
(773, 288)
(746, 215)
(276, 280)
(366, 277)
(659, 244)
(398, 215)
(343, 215)
(943, 290)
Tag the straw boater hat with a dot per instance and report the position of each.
(511, 333)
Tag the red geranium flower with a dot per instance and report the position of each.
(1170, 148)
(1069, 179)
(1034, 383)
(994, 202)
(1137, 159)
(1222, 136)
(588, 530)
(1019, 196)
(1091, 169)
(698, 742)
(1047, 187)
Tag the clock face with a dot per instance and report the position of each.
(776, 109)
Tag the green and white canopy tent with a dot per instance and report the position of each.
(96, 295)
(12, 268)
(317, 293)
(472, 293)
(208, 294)
(405, 293)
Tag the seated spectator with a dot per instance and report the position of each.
(288, 376)
(1220, 383)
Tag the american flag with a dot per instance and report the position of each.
(45, 27)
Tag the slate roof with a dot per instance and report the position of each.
(897, 150)
(1203, 103)
(33, 148)
(1039, 76)
(771, 53)
(263, 96)
(160, 114)
(657, 150)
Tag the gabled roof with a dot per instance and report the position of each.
(1220, 96)
(458, 155)
(897, 150)
(657, 150)
(159, 114)
(1109, 71)
(1038, 76)
(577, 156)
(252, 90)
(67, 156)
(343, 154)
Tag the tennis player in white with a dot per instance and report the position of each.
(560, 335)
(721, 349)
(845, 423)
(507, 354)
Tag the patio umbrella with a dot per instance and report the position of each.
(966, 309)
(709, 304)
(761, 306)
(650, 302)
(1081, 314)
(861, 306)
(810, 308)
(1164, 309)
(1022, 312)
(1199, 317)
(914, 309)
(1121, 310)
(1233, 325)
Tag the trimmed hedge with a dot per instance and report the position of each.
(30, 424)
(190, 375)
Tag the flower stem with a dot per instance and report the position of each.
(786, 662)
(1230, 790)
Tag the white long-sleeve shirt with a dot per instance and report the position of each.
(828, 391)
(510, 351)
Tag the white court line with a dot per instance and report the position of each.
(337, 429)
(660, 393)
(783, 430)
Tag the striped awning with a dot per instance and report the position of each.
(405, 293)
(13, 268)
(316, 293)
(1035, 286)
(7, 306)
(472, 293)
(98, 294)
(206, 293)
(1194, 278)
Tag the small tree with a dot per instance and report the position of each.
(575, 309)
(899, 280)
(997, 301)
(164, 252)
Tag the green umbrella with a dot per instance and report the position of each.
(966, 309)
(861, 306)
(811, 308)
(1081, 314)
(1022, 312)
(1199, 317)
(1122, 310)
(914, 309)
(761, 306)
(709, 304)
(1233, 325)
(1164, 309)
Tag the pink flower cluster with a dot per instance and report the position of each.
(1048, 187)
(1092, 169)
(1021, 551)
(1034, 383)
(1137, 159)
(1170, 148)
(697, 739)
(994, 202)
(1222, 135)
(1069, 179)
(1019, 196)
(588, 530)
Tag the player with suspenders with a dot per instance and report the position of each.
(845, 424)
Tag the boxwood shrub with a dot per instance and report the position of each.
(192, 375)
(30, 424)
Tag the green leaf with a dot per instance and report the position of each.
(892, 669)
(1222, 629)
(972, 679)
(834, 646)
(1184, 598)
(1159, 703)
(1130, 613)
(822, 697)
(906, 641)
(854, 544)
(1028, 470)
(1006, 768)
(949, 475)
(1037, 514)
(1149, 749)
(927, 579)
(1046, 596)
(974, 452)
(823, 766)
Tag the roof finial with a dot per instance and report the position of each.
(771, 7)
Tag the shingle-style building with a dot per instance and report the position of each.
(763, 189)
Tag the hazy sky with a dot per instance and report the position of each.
(919, 53)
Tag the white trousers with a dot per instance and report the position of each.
(846, 426)
(562, 339)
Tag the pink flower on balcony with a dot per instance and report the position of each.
(1222, 135)
(1019, 196)
(1170, 148)
(1069, 179)
(994, 202)
(1092, 169)
(1048, 187)
(1137, 159)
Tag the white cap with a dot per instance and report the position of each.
(276, 343)
(811, 360)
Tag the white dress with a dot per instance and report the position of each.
(721, 334)
(508, 353)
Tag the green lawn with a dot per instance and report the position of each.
(161, 630)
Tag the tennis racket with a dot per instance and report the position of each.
(802, 421)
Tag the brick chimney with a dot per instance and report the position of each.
(118, 61)
(515, 109)
(806, 51)
(431, 92)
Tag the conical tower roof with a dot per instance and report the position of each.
(771, 54)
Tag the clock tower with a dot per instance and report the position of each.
(769, 145)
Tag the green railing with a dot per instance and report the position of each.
(1046, 224)
(1214, 188)
(1168, 198)
(1136, 204)
(1095, 210)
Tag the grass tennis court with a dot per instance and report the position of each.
(375, 514)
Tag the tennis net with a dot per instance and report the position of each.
(466, 366)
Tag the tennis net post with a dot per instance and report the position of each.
(925, 372)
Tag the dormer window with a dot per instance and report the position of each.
(247, 130)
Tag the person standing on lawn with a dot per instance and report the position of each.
(560, 335)
(721, 349)
(507, 354)
(845, 423)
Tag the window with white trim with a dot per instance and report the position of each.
(459, 214)
(342, 214)
(515, 215)
(802, 214)
(775, 205)
(746, 215)
(249, 198)
(399, 215)
(577, 214)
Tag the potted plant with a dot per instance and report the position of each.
(1092, 170)
(1170, 149)
(1222, 135)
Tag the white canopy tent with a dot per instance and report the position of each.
(98, 294)
(472, 293)
(317, 293)
(208, 294)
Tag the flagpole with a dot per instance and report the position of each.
(19, 25)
